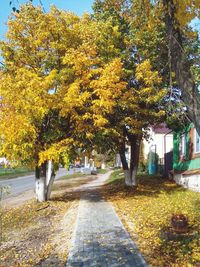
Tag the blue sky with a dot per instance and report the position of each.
(77, 6)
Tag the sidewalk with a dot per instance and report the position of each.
(100, 239)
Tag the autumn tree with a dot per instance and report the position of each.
(178, 14)
(147, 23)
(55, 88)
(138, 106)
(182, 46)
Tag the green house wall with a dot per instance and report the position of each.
(187, 164)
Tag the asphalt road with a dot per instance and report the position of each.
(24, 183)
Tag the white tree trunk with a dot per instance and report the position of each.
(86, 162)
(130, 178)
(44, 181)
(103, 165)
(49, 187)
(49, 171)
(133, 177)
(127, 177)
(40, 188)
(50, 178)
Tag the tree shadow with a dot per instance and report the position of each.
(108, 248)
(175, 244)
(67, 196)
(149, 186)
(53, 260)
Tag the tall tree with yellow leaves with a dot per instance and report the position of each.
(138, 107)
(144, 25)
(178, 15)
(54, 88)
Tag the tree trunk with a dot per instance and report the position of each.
(50, 178)
(130, 177)
(135, 154)
(86, 165)
(184, 78)
(123, 156)
(130, 173)
(41, 183)
(103, 162)
(44, 181)
(124, 163)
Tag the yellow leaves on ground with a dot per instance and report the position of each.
(28, 232)
(147, 210)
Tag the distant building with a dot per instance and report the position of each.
(4, 162)
(160, 142)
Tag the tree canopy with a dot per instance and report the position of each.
(73, 82)
(54, 85)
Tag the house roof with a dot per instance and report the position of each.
(161, 129)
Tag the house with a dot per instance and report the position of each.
(159, 144)
(4, 162)
(186, 158)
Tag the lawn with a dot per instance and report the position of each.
(74, 175)
(102, 171)
(146, 212)
(8, 173)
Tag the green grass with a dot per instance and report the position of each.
(115, 176)
(102, 171)
(79, 174)
(75, 175)
(8, 173)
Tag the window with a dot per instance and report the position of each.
(182, 144)
(196, 142)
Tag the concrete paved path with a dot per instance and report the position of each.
(100, 239)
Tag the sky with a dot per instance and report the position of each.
(77, 6)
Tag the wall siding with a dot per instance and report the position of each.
(190, 161)
(186, 163)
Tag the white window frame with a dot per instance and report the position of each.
(195, 142)
(182, 145)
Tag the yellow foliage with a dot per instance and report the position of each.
(55, 85)
(55, 150)
(187, 10)
(142, 101)
(150, 91)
